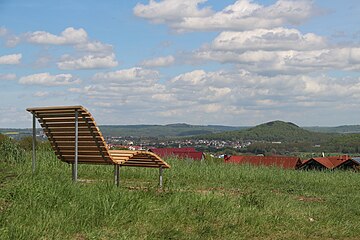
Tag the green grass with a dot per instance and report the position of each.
(208, 200)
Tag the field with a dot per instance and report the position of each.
(209, 200)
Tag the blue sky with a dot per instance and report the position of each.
(195, 61)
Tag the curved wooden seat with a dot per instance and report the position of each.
(73, 134)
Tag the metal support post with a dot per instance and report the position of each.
(117, 174)
(75, 164)
(34, 144)
(161, 177)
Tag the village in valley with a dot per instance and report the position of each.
(276, 143)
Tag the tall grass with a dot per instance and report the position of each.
(208, 200)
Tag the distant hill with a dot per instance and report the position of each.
(266, 130)
(170, 130)
(275, 131)
(339, 129)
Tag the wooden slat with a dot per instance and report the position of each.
(57, 120)
(122, 155)
(72, 138)
(120, 158)
(71, 155)
(90, 162)
(46, 114)
(80, 144)
(55, 115)
(140, 165)
(64, 119)
(68, 129)
(127, 151)
(81, 152)
(141, 162)
(145, 160)
(58, 108)
(82, 134)
(70, 134)
(99, 159)
(65, 125)
(97, 156)
(89, 148)
(142, 159)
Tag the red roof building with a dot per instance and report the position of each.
(278, 161)
(179, 152)
(335, 162)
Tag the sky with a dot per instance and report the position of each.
(228, 62)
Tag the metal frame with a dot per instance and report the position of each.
(75, 164)
(34, 144)
(160, 177)
(76, 153)
(117, 174)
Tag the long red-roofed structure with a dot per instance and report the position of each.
(278, 161)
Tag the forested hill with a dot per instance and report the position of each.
(170, 130)
(275, 131)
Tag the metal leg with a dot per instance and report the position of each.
(34, 144)
(73, 172)
(161, 177)
(75, 165)
(117, 174)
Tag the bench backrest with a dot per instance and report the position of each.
(58, 123)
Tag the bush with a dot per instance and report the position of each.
(44, 146)
(26, 143)
(2, 138)
(11, 152)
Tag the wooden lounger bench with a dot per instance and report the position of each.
(75, 138)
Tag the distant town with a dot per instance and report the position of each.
(136, 143)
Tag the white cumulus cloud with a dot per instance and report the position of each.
(68, 36)
(49, 80)
(240, 16)
(11, 59)
(196, 77)
(170, 10)
(285, 61)
(77, 38)
(134, 76)
(268, 39)
(87, 62)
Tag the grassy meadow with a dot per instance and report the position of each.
(208, 200)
